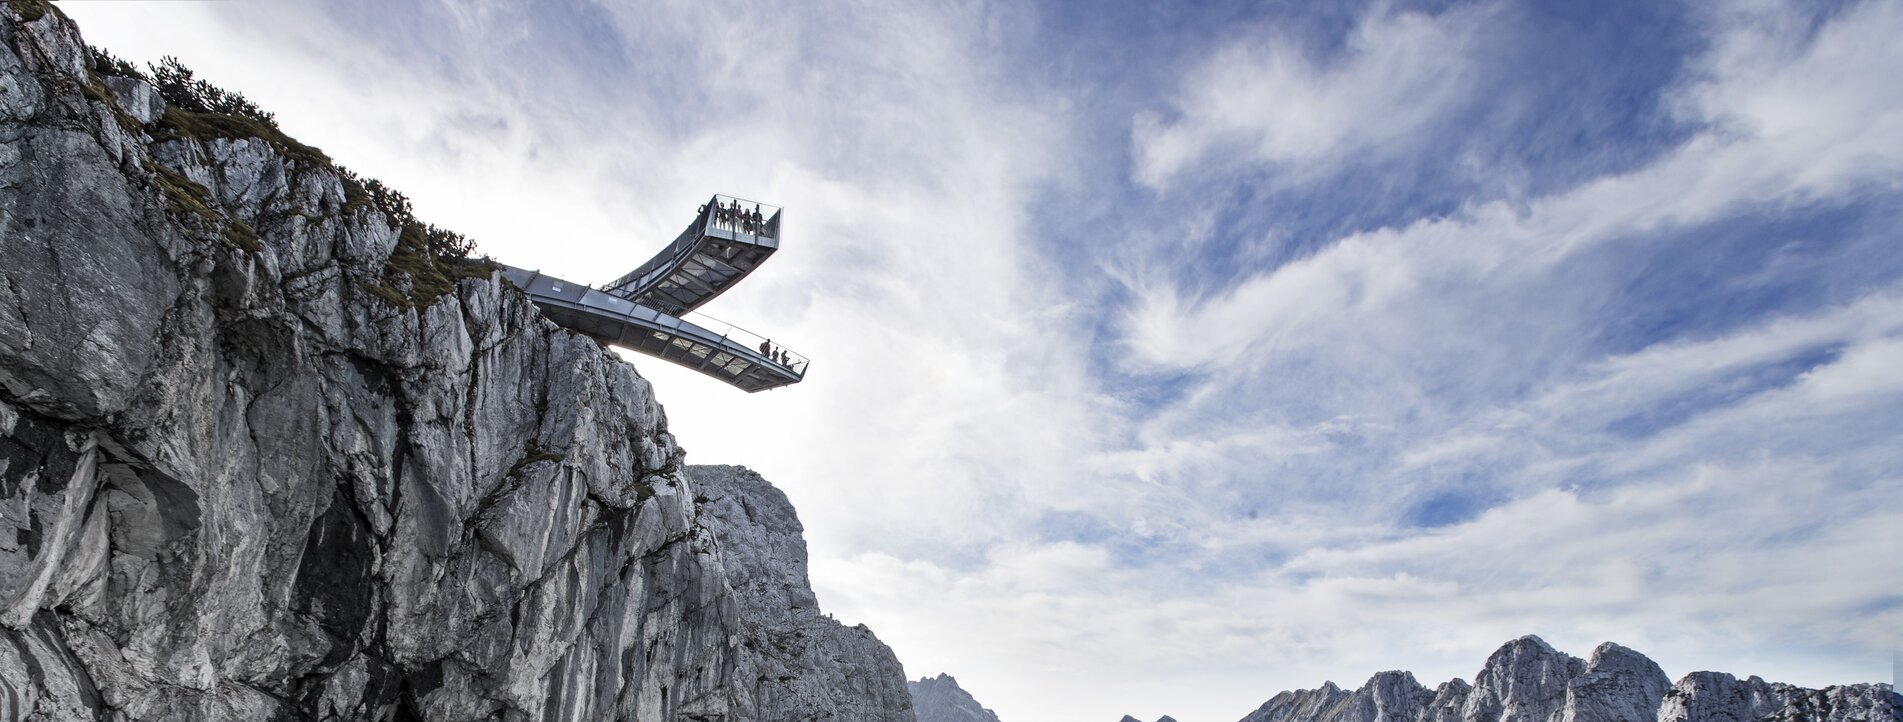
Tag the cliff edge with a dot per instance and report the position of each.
(256, 463)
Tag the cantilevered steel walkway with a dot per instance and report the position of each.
(729, 239)
(643, 310)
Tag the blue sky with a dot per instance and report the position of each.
(1167, 356)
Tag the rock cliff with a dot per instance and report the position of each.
(940, 699)
(1528, 681)
(795, 663)
(253, 465)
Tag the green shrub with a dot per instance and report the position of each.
(428, 260)
(188, 200)
(105, 63)
(180, 90)
(30, 10)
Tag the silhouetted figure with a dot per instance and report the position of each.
(766, 348)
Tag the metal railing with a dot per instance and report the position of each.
(742, 216)
(722, 213)
(760, 344)
(695, 325)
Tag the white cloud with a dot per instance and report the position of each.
(951, 410)
(1274, 101)
(938, 350)
(1766, 154)
(1564, 426)
(1684, 569)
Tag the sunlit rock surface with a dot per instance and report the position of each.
(237, 484)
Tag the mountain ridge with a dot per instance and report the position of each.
(1527, 680)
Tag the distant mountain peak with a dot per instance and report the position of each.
(1527, 680)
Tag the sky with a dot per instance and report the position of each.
(1170, 355)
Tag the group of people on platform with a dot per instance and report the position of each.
(779, 355)
(731, 215)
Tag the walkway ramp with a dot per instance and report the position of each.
(707, 345)
(727, 240)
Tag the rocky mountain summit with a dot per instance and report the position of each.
(1528, 681)
(940, 699)
(265, 453)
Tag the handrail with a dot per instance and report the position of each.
(651, 309)
(599, 301)
(750, 340)
(769, 225)
(676, 252)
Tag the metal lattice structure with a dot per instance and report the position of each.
(729, 239)
(643, 310)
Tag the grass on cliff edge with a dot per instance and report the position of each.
(30, 10)
(426, 262)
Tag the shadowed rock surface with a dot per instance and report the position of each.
(1527, 680)
(940, 699)
(1387, 697)
(240, 481)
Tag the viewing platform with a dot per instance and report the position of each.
(729, 239)
(648, 310)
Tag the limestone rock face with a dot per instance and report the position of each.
(1619, 685)
(1449, 700)
(1386, 697)
(1528, 681)
(940, 699)
(1719, 697)
(794, 663)
(1524, 681)
(1389, 697)
(137, 98)
(1301, 704)
(237, 484)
